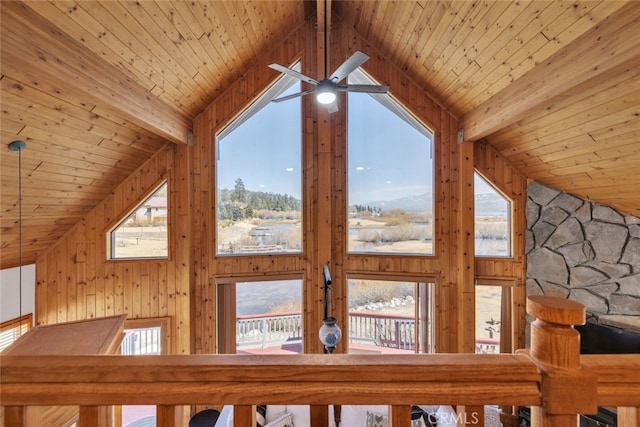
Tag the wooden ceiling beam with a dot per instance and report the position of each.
(322, 7)
(320, 12)
(594, 57)
(35, 50)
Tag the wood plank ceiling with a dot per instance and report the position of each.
(95, 88)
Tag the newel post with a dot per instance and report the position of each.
(567, 389)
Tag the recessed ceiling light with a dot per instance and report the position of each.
(289, 169)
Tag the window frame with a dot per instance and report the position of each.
(506, 308)
(110, 230)
(510, 215)
(397, 107)
(280, 85)
(425, 307)
(164, 323)
(226, 308)
(20, 325)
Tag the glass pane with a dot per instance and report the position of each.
(488, 315)
(492, 220)
(269, 317)
(259, 182)
(144, 233)
(390, 178)
(140, 341)
(7, 337)
(382, 317)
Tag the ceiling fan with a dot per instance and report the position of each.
(327, 88)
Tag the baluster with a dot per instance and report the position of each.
(399, 415)
(628, 416)
(244, 415)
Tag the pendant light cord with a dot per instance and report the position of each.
(19, 146)
(20, 240)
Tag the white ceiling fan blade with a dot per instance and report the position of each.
(293, 73)
(354, 61)
(362, 88)
(333, 107)
(295, 95)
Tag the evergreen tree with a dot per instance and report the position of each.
(239, 193)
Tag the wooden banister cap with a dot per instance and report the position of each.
(556, 310)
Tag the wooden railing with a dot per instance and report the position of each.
(376, 329)
(395, 331)
(552, 378)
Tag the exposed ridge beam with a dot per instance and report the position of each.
(617, 44)
(323, 38)
(35, 50)
(320, 9)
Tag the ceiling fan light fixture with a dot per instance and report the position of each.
(325, 94)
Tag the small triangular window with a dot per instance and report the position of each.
(144, 232)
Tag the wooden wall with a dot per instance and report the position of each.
(74, 281)
(324, 183)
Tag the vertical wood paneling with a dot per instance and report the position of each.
(207, 266)
(449, 240)
(75, 280)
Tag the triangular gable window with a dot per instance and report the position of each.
(144, 232)
(492, 220)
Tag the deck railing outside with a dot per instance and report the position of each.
(375, 329)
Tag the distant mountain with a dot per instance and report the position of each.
(417, 203)
(489, 204)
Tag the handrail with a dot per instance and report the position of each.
(270, 379)
(551, 377)
(448, 379)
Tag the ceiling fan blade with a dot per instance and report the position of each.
(354, 61)
(362, 88)
(295, 95)
(293, 73)
(333, 107)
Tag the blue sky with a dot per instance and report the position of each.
(265, 151)
(387, 158)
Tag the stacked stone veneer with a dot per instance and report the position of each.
(583, 251)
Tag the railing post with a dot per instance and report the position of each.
(400, 415)
(20, 416)
(319, 415)
(244, 415)
(567, 389)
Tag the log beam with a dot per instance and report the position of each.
(35, 50)
(564, 74)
